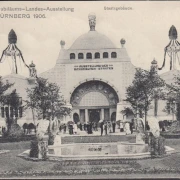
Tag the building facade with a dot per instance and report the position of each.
(92, 75)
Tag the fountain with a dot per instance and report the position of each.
(121, 150)
(103, 150)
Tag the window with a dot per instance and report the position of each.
(2, 112)
(16, 112)
(88, 56)
(11, 112)
(168, 108)
(97, 55)
(20, 111)
(113, 55)
(7, 111)
(72, 56)
(80, 56)
(105, 55)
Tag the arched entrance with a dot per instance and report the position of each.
(94, 115)
(94, 99)
(76, 118)
(113, 116)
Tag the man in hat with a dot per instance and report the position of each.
(102, 127)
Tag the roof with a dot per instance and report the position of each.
(93, 40)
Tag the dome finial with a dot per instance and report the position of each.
(12, 37)
(173, 33)
(92, 21)
(62, 43)
(123, 42)
(154, 61)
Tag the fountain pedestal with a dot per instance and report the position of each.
(140, 138)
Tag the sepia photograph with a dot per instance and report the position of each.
(89, 90)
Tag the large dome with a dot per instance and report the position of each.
(93, 40)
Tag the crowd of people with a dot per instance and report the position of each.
(105, 127)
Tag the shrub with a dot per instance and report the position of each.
(15, 131)
(157, 145)
(51, 139)
(34, 151)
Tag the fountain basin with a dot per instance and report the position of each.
(99, 151)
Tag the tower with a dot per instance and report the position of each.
(172, 49)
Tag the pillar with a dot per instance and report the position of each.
(86, 115)
(119, 115)
(102, 114)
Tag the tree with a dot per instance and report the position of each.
(127, 111)
(146, 86)
(14, 103)
(46, 100)
(3, 88)
(4, 96)
(173, 98)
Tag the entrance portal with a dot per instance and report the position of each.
(94, 100)
(94, 115)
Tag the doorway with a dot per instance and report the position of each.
(94, 115)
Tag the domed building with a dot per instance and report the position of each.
(93, 75)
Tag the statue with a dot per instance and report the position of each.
(41, 129)
(154, 126)
(92, 21)
(140, 136)
(32, 70)
(39, 147)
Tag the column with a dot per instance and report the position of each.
(119, 115)
(86, 115)
(102, 114)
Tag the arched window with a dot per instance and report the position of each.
(2, 112)
(105, 55)
(20, 111)
(97, 55)
(113, 55)
(76, 118)
(72, 56)
(80, 56)
(7, 111)
(11, 112)
(88, 56)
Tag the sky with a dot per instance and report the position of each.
(145, 29)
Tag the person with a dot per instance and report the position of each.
(64, 127)
(105, 128)
(60, 128)
(114, 126)
(70, 129)
(109, 127)
(80, 126)
(131, 127)
(90, 128)
(147, 126)
(85, 126)
(96, 124)
(127, 128)
(121, 127)
(101, 126)
(75, 128)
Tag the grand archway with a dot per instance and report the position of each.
(93, 100)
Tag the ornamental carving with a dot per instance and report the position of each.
(91, 86)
